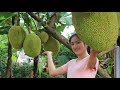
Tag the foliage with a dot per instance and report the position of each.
(5, 17)
(18, 71)
(108, 60)
(22, 71)
(3, 47)
(64, 55)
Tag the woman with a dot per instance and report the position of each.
(85, 66)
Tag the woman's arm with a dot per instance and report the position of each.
(93, 59)
(51, 67)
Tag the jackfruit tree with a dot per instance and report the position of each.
(50, 25)
(22, 34)
(99, 30)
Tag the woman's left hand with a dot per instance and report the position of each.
(94, 51)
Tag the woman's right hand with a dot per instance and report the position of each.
(47, 52)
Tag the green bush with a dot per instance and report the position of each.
(18, 71)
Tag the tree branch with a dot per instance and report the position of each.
(51, 31)
(9, 62)
(103, 72)
(53, 19)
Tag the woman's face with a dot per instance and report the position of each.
(77, 46)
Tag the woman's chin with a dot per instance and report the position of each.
(77, 53)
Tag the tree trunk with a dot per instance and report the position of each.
(35, 68)
(9, 62)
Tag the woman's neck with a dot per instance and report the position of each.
(81, 56)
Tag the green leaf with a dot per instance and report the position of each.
(2, 45)
(4, 29)
(26, 18)
(62, 60)
(5, 16)
(66, 20)
(110, 68)
(49, 14)
(14, 58)
(100, 57)
(60, 28)
(2, 17)
(40, 65)
(61, 14)
(67, 14)
(111, 62)
(39, 24)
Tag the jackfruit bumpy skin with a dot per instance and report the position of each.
(32, 45)
(119, 32)
(118, 16)
(52, 45)
(16, 36)
(99, 30)
(43, 36)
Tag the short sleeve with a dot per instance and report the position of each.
(65, 67)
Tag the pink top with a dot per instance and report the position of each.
(78, 69)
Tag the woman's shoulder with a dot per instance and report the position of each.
(72, 60)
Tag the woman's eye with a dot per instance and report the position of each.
(78, 42)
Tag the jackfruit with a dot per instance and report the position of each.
(99, 30)
(32, 45)
(16, 36)
(43, 36)
(119, 32)
(52, 45)
(118, 16)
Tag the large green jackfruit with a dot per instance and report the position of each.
(52, 45)
(43, 36)
(16, 36)
(99, 30)
(32, 45)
